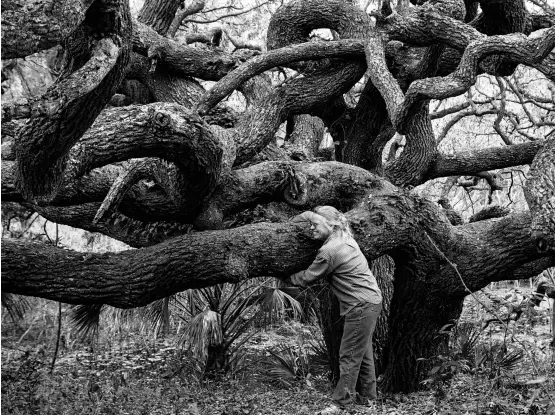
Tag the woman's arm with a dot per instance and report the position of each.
(318, 269)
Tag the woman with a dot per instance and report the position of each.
(360, 302)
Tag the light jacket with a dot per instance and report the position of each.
(352, 280)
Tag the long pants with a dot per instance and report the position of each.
(357, 380)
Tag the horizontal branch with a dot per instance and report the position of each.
(183, 60)
(423, 27)
(167, 131)
(278, 57)
(531, 269)
(470, 162)
(325, 183)
(143, 203)
(501, 245)
(393, 223)
(138, 277)
(117, 225)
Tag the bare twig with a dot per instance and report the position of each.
(501, 113)
(239, 13)
(56, 242)
(57, 337)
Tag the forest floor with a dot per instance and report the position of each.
(133, 373)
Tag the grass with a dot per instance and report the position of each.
(132, 372)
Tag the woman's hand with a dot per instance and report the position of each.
(299, 219)
(306, 216)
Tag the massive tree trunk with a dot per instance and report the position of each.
(168, 177)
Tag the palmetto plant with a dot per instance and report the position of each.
(288, 365)
(219, 322)
(279, 303)
(463, 342)
(497, 359)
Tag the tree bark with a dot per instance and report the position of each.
(159, 14)
(540, 195)
(53, 21)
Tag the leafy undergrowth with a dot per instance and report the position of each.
(140, 375)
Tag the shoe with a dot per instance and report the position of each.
(331, 410)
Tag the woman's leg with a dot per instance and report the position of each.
(354, 344)
(366, 384)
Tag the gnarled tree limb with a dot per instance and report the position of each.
(29, 26)
(43, 144)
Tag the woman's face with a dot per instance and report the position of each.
(319, 227)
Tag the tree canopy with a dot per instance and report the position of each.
(131, 141)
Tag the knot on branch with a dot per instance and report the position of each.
(159, 119)
(543, 242)
(296, 189)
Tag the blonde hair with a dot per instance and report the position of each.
(336, 220)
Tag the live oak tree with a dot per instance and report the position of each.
(128, 143)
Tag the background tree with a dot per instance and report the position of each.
(129, 142)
